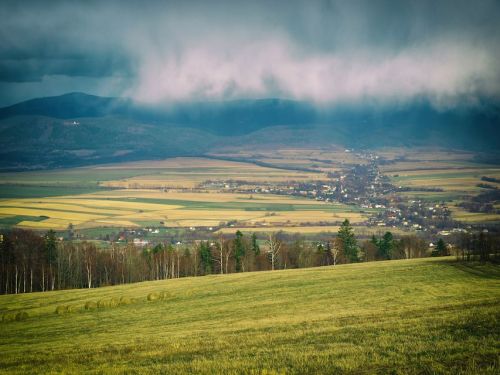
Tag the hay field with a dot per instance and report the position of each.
(452, 171)
(161, 193)
(131, 208)
(182, 172)
(464, 180)
(189, 173)
(455, 173)
(460, 214)
(287, 229)
(323, 160)
(421, 316)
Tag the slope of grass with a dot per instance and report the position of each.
(416, 316)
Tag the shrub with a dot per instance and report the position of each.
(23, 315)
(153, 296)
(90, 305)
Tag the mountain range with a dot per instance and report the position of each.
(79, 129)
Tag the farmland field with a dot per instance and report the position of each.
(131, 207)
(456, 174)
(431, 315)
(193, 192)
(160, 193)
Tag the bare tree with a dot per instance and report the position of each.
(336, 250)
(274, 245)
(220, 252)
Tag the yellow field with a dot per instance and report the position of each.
(131, 208)
(325, 160)
(50, 213)
(188, 173)
(472, 217)
(168, 192)
(359, 230)
(295, 229)
(56, 224)
(455, 173)
(464, 180)
(197, 196)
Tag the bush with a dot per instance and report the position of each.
(153, 296)
(90, 305)
(23, 315)
(61, 309)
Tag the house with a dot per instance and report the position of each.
(139, 242)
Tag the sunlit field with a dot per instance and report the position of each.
(162, 193)
(411, 316)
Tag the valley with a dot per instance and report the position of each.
(295, 190)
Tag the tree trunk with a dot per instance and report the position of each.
(15, 287)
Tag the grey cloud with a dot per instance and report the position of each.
(322, 51)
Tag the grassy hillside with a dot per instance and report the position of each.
(416, 316)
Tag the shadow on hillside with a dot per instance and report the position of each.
(485, 270)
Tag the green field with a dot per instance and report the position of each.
(416, 316)
(161, 193)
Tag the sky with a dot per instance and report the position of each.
(324, 52)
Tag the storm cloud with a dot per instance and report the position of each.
(325, 52)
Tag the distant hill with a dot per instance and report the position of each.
(77, 129)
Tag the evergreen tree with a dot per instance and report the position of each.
(239, 250)
(441, 249)
(255, 245)
(386, 246)
(206, 257)
(50, 245)
(348, 240)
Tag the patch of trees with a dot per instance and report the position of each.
(387, 247)
(486, 186)
(483, 202)
(30, 262)
(482, 246)
(490, 179)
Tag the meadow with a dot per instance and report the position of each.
(433, 315)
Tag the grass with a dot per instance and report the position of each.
(29, 191)
(11, 220)
(418, 316)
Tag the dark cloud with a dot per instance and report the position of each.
(323, 51)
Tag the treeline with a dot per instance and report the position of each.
(29, 262)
